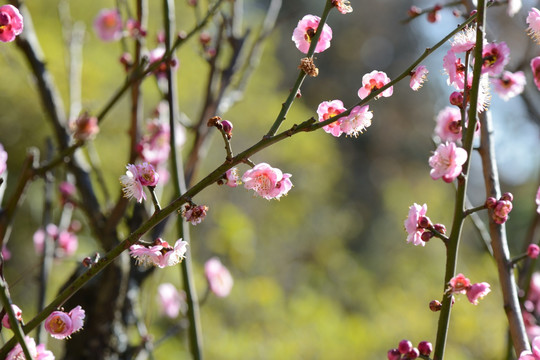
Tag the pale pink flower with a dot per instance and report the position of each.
(459, 284)
(3, 159)
(538, 200)
(509, 85)
(39, 237)
(463, 41)
(535, 66)
(447, 162)
(329, 109)
(18, 316)
(131, 184)
(219, 278)
(495, 56)
(147, 174)
(533, 20)
(154, 146)
(146, 255)
(59, 325)
(67, 243)
(267, 182)
(533, 251)
(448, 126)
(484, 97)
(195, 214)
(357, 121)
(418, 77)
(85, 127)
(305, 30)
(374, 81)
(513, 7)
(411, 224)
(77, 316)
(171, 301)
(343, 6)
(477, 291)
(534, 354)
(455, 69)
(17, 352)
(6, 254)
(173, 256)
(11, 23)
(108, 25)
(43, 353)
(232, 177)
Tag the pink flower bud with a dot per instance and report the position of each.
(405, 346)
(491, 202)
(533, 251)
(414, 11)
(413, 354)
(394, 354)
(433, 16)
(503, 208)
(424, 222)
(440, 228)
(227, 128)
(426, 236)
(507, 196)
(435, 305)
(456, 98)
(425, 348)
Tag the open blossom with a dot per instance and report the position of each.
(477, 291)
(108, 25)
(463, 41)
(3, 159)
(305, 30)
(509, 85)
(267, 182)
(448, 126)
(17, 352)
(343, 6)
(458, 284)
(495, 56)
(170, 300)
(194, 214)
(357, 121)
(218, 276)
(414, 231)
(61, 324)
(455, 69)
(447, 162)
(11, 23)
(418, 77)
(533, 20)
(18, 316)
(374, 81)
(328, 109)
(43, 353)
(135, 178)
(160, 254)
(232, 179)
(147, 174)
(535, 66)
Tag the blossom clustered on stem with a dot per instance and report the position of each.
(306, 29)
(135, 178)
(267, 182)
(459, 284)
(500, 208)
(61, 325)
(447, 162)
(406, 351)
(419, 227)
(11, 23)
(160, 253)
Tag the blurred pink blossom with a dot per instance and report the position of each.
(411, 224)
(495, 57)
(219, 278)
(477, 291)
(328, 109)
(418, 77)
(17, 352)
(533, 20)
(458, 284)
(509, 85)
(43, 353)
(160, 254)
(267, 182)
(171, 301)
(18, 316)
(108, 25)
(538, 200)
(305, 30)
(357, 121)
(343, 6)
(534, 354)
(85, 127)
(3, 159)
(232, 177)
(448, 126)
(447, 162)
(374, 81)
(535, 66)
(11, 23)
(533, 251)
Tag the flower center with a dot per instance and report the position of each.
(310, 33)
(58, 325)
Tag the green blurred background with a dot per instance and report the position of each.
(325, 273)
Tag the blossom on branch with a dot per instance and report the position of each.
(414, 231)
(447, 162)
(61, 325)
(477, 291)
(357, 121)
(464, 40)
(194, 214)
(218, 276)
(533, 20)
(135, 178)
(509, 84)
(11, 23)
(306, 29)
(495, 56)
(535, 67)
(108, 25)
(448, 126)
(374, 81)
(18, 316)
(455, 69)
(159, 254)
(459, 284)
(418, 77)
(17, 352)
(329, 109)
(267, 182)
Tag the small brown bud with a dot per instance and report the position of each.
(307, 66)
(214, 121)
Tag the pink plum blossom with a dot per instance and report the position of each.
(11, 23)
(357, 121)
(267, 182)
(195, 214)
(455, 69)
(160, 254)
(535, 66)
(414, 231)
(534, 354)
(43, 353)
(477, 291)
(464, 41)
(66, 242)
(447, 162)
(533, 20)
(3, 160)
(170, 300)
(85, 127)
(418, 77)
(108, 25)
(147, 174)
(77, 315)
(501, 211)
(538, 200)
(18, 316)
(173, 256)
(448, 126)
(343, 6)
(458, 284)
(533, 250)
(146, 255)
(329, 109)
(218, 276)
(495, 56)
(306, 29)
(374, 81)
(131, 185)
(17, 352)
(61, 325)
(154, 146)
(232, 178)
(509, 85)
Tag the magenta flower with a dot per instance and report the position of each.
(343, 6)
(464, 41)
(218, 276)
(495, 56)
(17, 352)
(501, 211)
(67, 243)
(477, 291)
(418, 77)
(232, 177)
(328, 109)
(11, 23)
(535, 66)
(267, 182)
(374, 81)
(357, 121)
(538, 200)
(18, 316)
(170, 300)
(108, 25)
(448, 126)
(61, 325)
(533, 251)
(455, 69)
(305, 30)
(459, 284)
(447, 162)
(147, 174)
(509, 85)
(194, 214)
(535, 354)
(414, 231)
(533, 20)
(3, 160)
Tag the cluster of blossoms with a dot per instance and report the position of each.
(11, 23)
(38, 352)
(459, 284)
(66, 241)
(500, 208)
(419, 227)
(61, 324)
(171, 301)
(267, 182)
(160, 253)
(138, 176)
(356, 122)
(220, 280)
(406, 351)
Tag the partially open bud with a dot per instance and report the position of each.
(227, 128)
(440, 228)
(456, 98)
